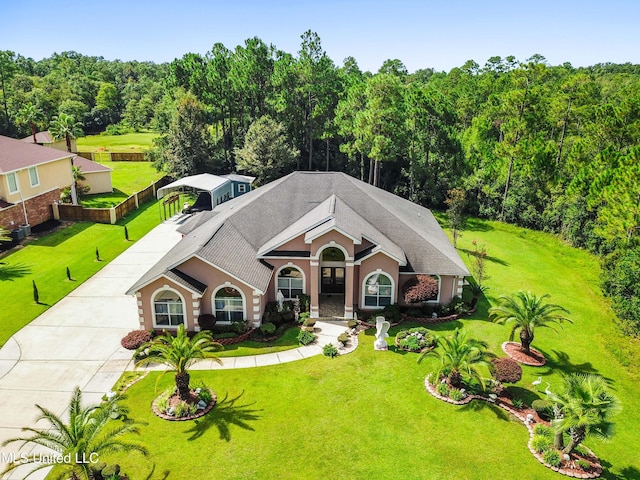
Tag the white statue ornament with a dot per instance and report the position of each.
(382, 327)
(280, 300)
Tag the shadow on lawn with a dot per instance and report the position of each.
(626, 473)
(223, 415)
(489, 258)
(477, 225)
(558, 360)
(9, 272)
(59, 236)
(478, 405)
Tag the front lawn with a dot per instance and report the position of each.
(45, 261)
(367, 414)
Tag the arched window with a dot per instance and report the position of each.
(228, 305)
(168, 309)
(332, 254)
(378, 290)
(290, 282)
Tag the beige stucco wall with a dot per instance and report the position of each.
(145, 304)
(214, 278)
(99, 182)
(332, 236)
(370, 265)
(62, 145)
(52, 175)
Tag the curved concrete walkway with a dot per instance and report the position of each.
(76, 342)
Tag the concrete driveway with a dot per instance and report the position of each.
(74, 343)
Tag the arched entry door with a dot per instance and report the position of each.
(332, 271)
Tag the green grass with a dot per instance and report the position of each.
(286, 342)
(45, 260)
(130, 142)
(367, 415)
(126, 178)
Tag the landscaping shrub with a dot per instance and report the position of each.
(391, 313)
(267, 328)
(305, 338)
(204, 393)
(352, 323)
(518, 403)
(506, 370)
(540, 443)
(543, 408)
(275, 318)
(456, 394)
(135, 339)
(552, 457)
(458, 306)
(543, 430)
(303, 316)
(343, 338)
(415, 339)
(442, 389)
(309, 322)
(583, 465)
(240, 327)
(329, 350)
(207, 321)
(414, 312)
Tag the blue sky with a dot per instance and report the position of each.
(438, 34)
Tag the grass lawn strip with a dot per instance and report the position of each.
(130, 142)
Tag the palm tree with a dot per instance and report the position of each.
(527, 311)
(89, 432)
(179, 353)
(65, 126)
(4, 235)
(29, 114)
(461, 357)
(584, 407)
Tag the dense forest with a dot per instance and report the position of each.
(553, 148)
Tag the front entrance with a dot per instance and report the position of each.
(332, 280)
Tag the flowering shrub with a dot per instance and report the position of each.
(135, 339)
(420, 289)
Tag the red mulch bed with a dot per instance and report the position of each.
(173, 401)
(534, 359)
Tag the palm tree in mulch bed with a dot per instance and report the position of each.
(527, 311)
(461, 357)
(77, 444)
(179, 353)
(584, 407)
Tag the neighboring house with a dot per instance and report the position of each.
(96, 176)
(219, 188)
(326, 235)
(46, 140)
(31, 178)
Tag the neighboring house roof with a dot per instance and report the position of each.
(204, 181)
(234, 177)
(237, 232)
(41, 137)
(18, 155)
(89, 166)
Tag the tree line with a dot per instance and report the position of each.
(553, 148)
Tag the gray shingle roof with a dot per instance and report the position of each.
(232, 237)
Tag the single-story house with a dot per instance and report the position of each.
(96, 176)
(31, 178)
(46, 140)
(326, 235)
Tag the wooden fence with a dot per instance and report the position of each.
(114, 156)
(78, 213)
